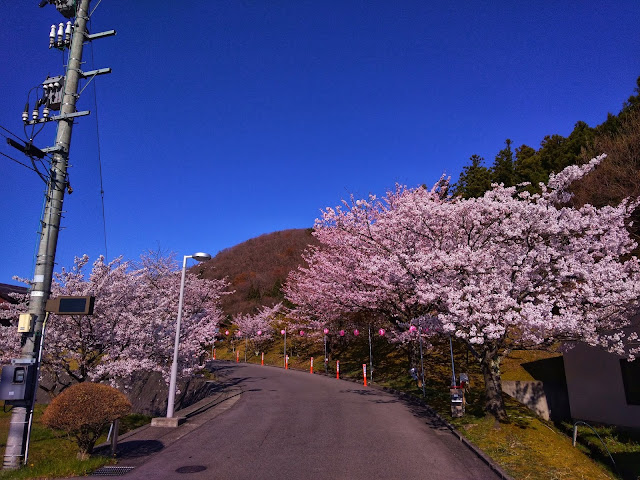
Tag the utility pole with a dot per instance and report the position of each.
(22, 413)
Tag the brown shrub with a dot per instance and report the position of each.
(84, 410)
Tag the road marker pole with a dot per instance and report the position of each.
(214, 353)
(286, 362)
(238, 356)
(262, 360)
(364, 373)
(337, 368)
(311, 367)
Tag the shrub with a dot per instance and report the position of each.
(84, 410)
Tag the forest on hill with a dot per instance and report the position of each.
(618, 177)
(256, 269)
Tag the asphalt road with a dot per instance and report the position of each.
(292, 425)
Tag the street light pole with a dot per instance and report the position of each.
(174, 366)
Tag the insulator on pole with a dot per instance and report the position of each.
(60, 34)
(67, 33)
(45, 112)
(34, 114)
(52, 36)
(25, 113)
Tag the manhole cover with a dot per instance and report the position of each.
(111, 471)
(191, 469)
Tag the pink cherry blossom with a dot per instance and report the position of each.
(506, 270)
(133, 325)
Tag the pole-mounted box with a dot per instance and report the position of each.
(71, 305)
(25, 322)
(16, 381)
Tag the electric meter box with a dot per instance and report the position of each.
(15, 382)
(25, 323)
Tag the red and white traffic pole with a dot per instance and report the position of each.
(337, 368)
(286, 362)
(214, 353)
(262, 360)
(364, 373)
(311, 367)
(238, 356)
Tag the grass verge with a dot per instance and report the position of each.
(52, 454)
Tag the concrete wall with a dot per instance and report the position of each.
(596, 391)
(546, 399)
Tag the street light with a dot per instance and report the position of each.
(174, 366)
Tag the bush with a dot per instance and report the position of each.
(84, 410)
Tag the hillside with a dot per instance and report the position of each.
(257, 268)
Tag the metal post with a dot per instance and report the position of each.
(174, 365)
(326, 360)
(370, 357)
(114, 438)
(421, 357)
(453, 368)
(41, 286)
(285, 348)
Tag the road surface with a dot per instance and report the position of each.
(291, 425)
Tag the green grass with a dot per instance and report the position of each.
(52, 454)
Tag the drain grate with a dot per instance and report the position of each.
(111, 471)
(191, 469)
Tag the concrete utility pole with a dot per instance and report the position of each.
(17, 441)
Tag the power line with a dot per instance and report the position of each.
(95, 102)
(9, 132)
(23, 164)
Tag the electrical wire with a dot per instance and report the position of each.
(43, 176)
(33, 134)
(24, 165)
(94, 9)
(9, 132)
(95, 101)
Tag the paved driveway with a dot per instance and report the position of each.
(288, 424)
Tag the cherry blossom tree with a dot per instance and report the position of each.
(133, 325)
(257, 328)
(507, 270)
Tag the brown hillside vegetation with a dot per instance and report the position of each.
(257, 268)
(618, 176)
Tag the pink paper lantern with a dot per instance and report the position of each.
(342, 333)
(302, 333)
(382, 332)
(226, 332)
(259, 332)
(413, 329)
(356, 332)
(326, 331)
(282, 331)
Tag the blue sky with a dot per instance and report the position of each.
(227, 119)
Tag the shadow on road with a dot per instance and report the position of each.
(414, 405)
(133, 449)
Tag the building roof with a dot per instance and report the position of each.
(6, 290)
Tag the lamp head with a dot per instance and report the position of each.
(201, 257)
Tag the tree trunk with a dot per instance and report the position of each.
(494, 404)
